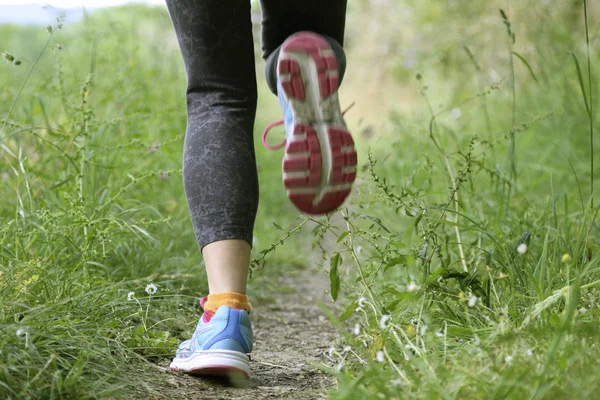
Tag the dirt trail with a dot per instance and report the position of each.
(292, 337)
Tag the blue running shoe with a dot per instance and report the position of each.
(319, 165)
(221, 344)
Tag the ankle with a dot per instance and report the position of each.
(229, 299)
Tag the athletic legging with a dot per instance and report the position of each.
(215, 37)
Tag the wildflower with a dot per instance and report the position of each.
(130, 296)
(566, 258)
(384, 320)
(508, 360)
(456, 113)
(330, 351)
(346, 349)
(472, 301)
(522, 248)
(461, 296)
(361, 302)
(423, 329)
(379, 356)
(412, 286)
(339, 367)
(410, 330)
(151, 288)
(22, 333)
(357, 329)
(439, 334)
(529, 353)
(423, 251)
(582, 310)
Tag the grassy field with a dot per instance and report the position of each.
(466, 261)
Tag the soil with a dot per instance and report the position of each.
(291, 340)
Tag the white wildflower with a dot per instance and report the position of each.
(151, 288)
(412, 286)
(423, 329)
(494, 76)
(330, 351)
(339, 367)
(379, 356)
(384, 320)
(357, 329)
(130, 296)
(439, 334)
(529, 353)
(456, 113)
(22, 333)
(346, 349)
(472, 301)
(361, 302)
(522, 248)
(582, 310)
(508, 360)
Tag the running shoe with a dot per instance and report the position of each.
(319, 165)
(221, 344)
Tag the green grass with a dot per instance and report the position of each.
(493, 151)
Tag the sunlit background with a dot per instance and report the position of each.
(34, 12)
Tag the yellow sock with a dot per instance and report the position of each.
(229, 299)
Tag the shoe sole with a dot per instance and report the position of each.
(319, 165)
(214, 363)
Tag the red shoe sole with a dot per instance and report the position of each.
(319, 165)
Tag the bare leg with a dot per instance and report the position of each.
(227, 264)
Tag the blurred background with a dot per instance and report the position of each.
(473, 122)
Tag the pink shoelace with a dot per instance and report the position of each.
(277, 123)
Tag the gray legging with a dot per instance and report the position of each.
(215, 37)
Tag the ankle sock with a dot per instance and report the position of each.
(229, 299)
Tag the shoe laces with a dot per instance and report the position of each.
(280, 122)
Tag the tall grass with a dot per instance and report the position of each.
(469, 286)
(454, 282)
(93, 209)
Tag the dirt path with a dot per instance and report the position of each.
(292, 337)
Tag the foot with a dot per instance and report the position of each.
(221, 344)
(319, 165)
